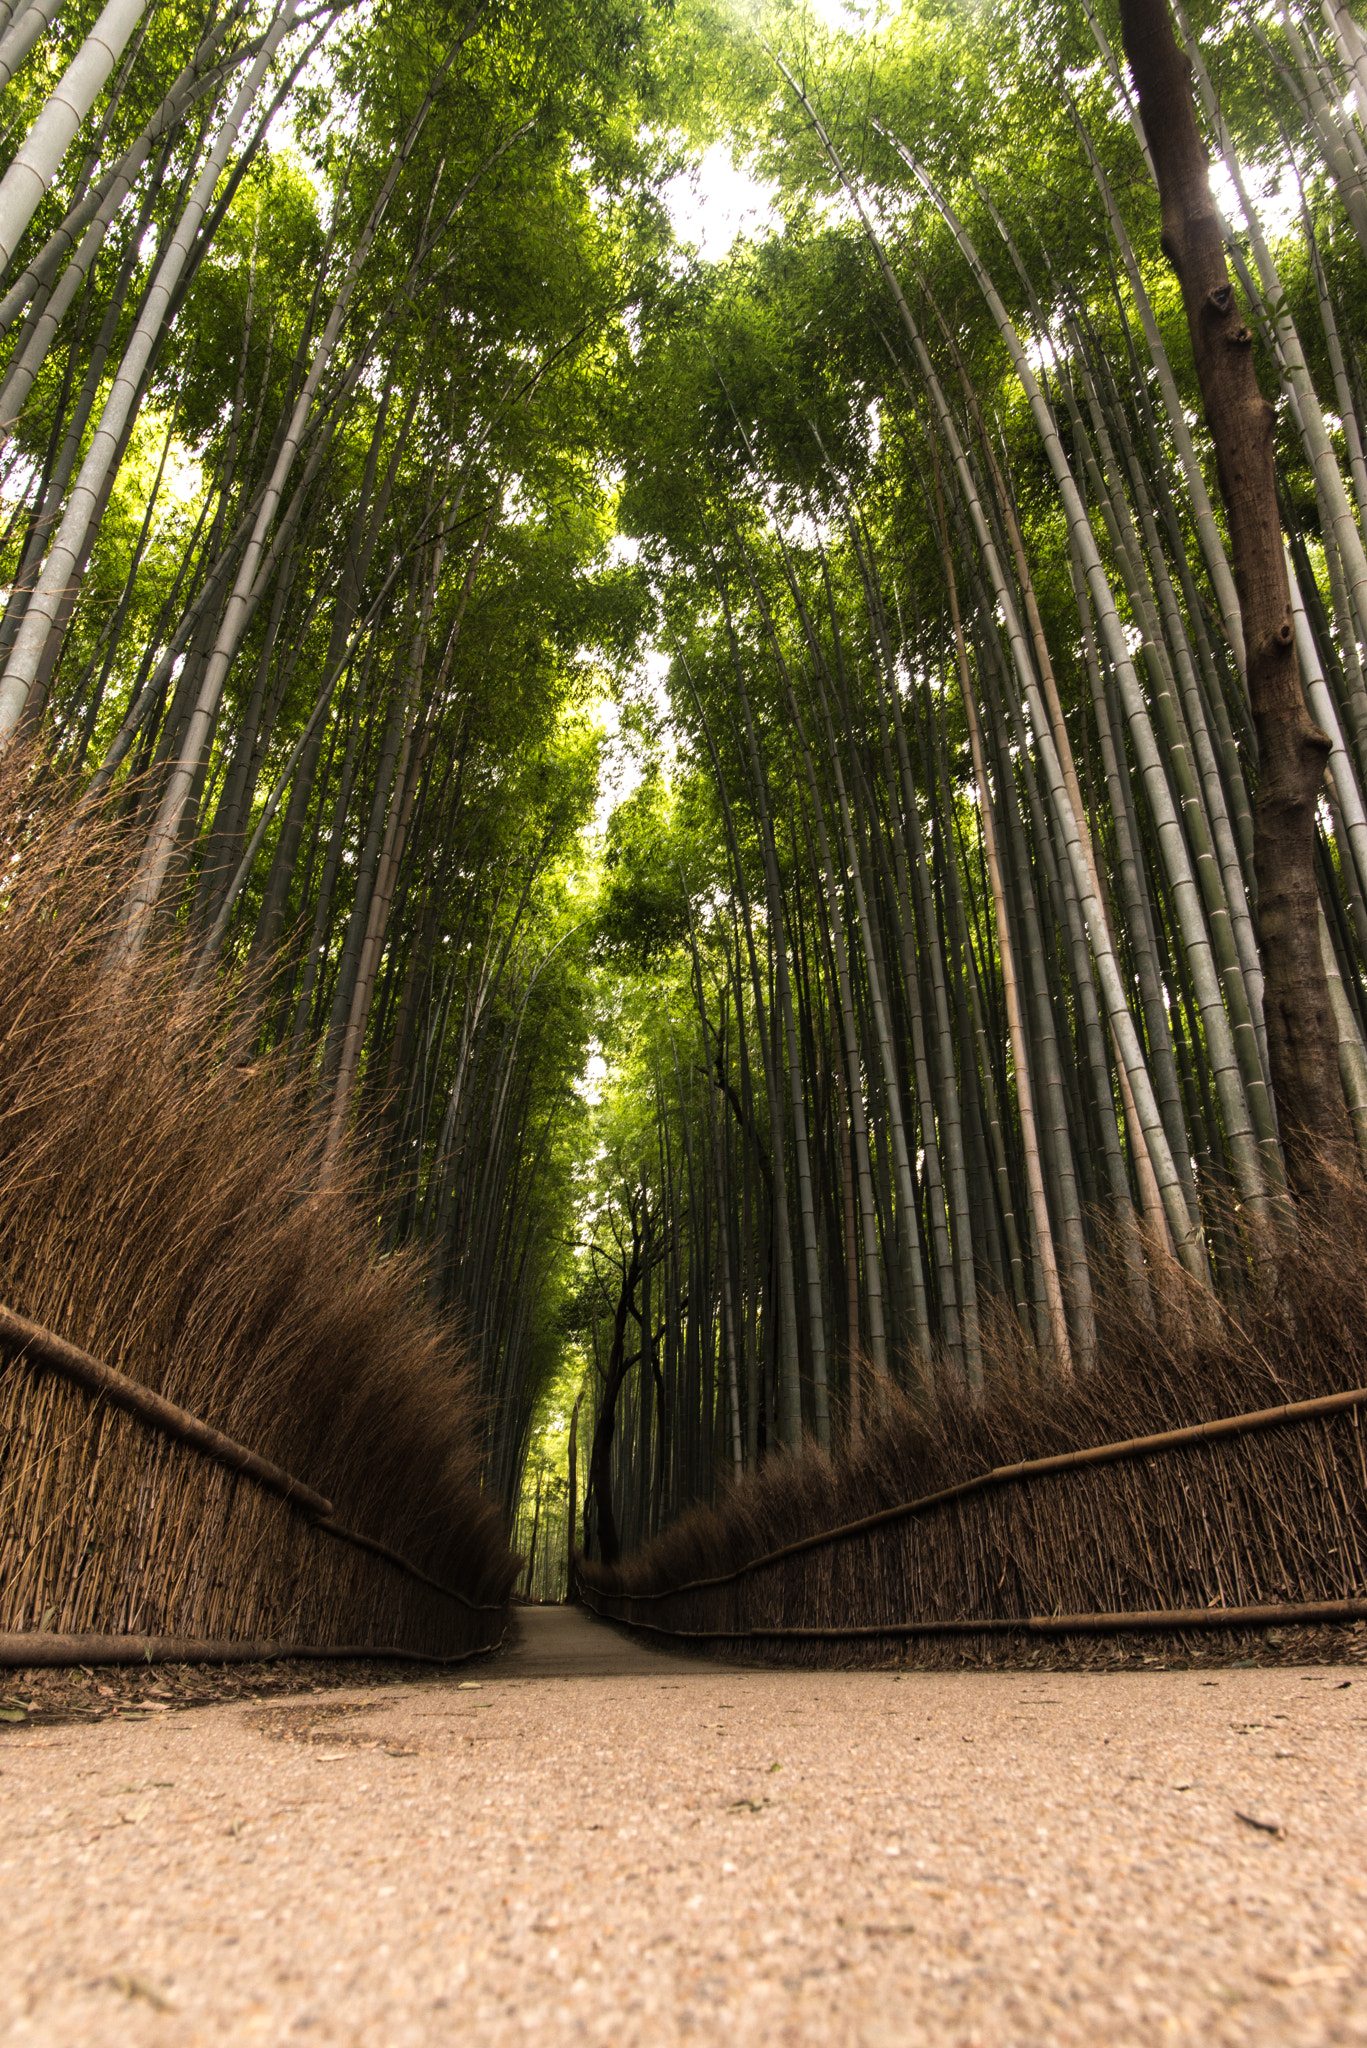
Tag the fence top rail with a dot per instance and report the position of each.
(34, 1651)
(1289, 1414)
(1138, 1621)
(32, 1344)
(43, 1347)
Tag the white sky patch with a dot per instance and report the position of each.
(589, 1086)
(873, 419)
(1041, 353)
(1276, 201)
(716, 201)
(835, 208)
(851, 21)
(800, 527)
(656, 676)
(620, 770)
(184, 478)
(319, 72)
(623, 768)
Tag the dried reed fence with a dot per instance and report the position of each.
(950, 1551)
(160, 1208)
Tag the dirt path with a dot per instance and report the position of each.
(588, 1842)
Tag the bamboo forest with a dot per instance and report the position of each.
(640, 846)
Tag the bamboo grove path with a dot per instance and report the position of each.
(588, 1841)
(591, 1842)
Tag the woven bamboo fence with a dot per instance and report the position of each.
(1237, 1524)
(117, 1531)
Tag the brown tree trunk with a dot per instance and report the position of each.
(600, 1468)
(1301, 1038)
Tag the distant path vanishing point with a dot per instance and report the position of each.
(566, 1642)
(585, 1841)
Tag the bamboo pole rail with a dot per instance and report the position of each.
(1288, 1415)
(401, 1563)
(33, 1345)
(29, 1651)
(1161, 1620)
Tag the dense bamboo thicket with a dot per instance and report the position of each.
(306, 334)
(953, 918)
(160, 1208)
(987, 911)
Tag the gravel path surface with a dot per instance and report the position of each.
(649, 1850)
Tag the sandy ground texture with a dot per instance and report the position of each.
(585, 1841)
